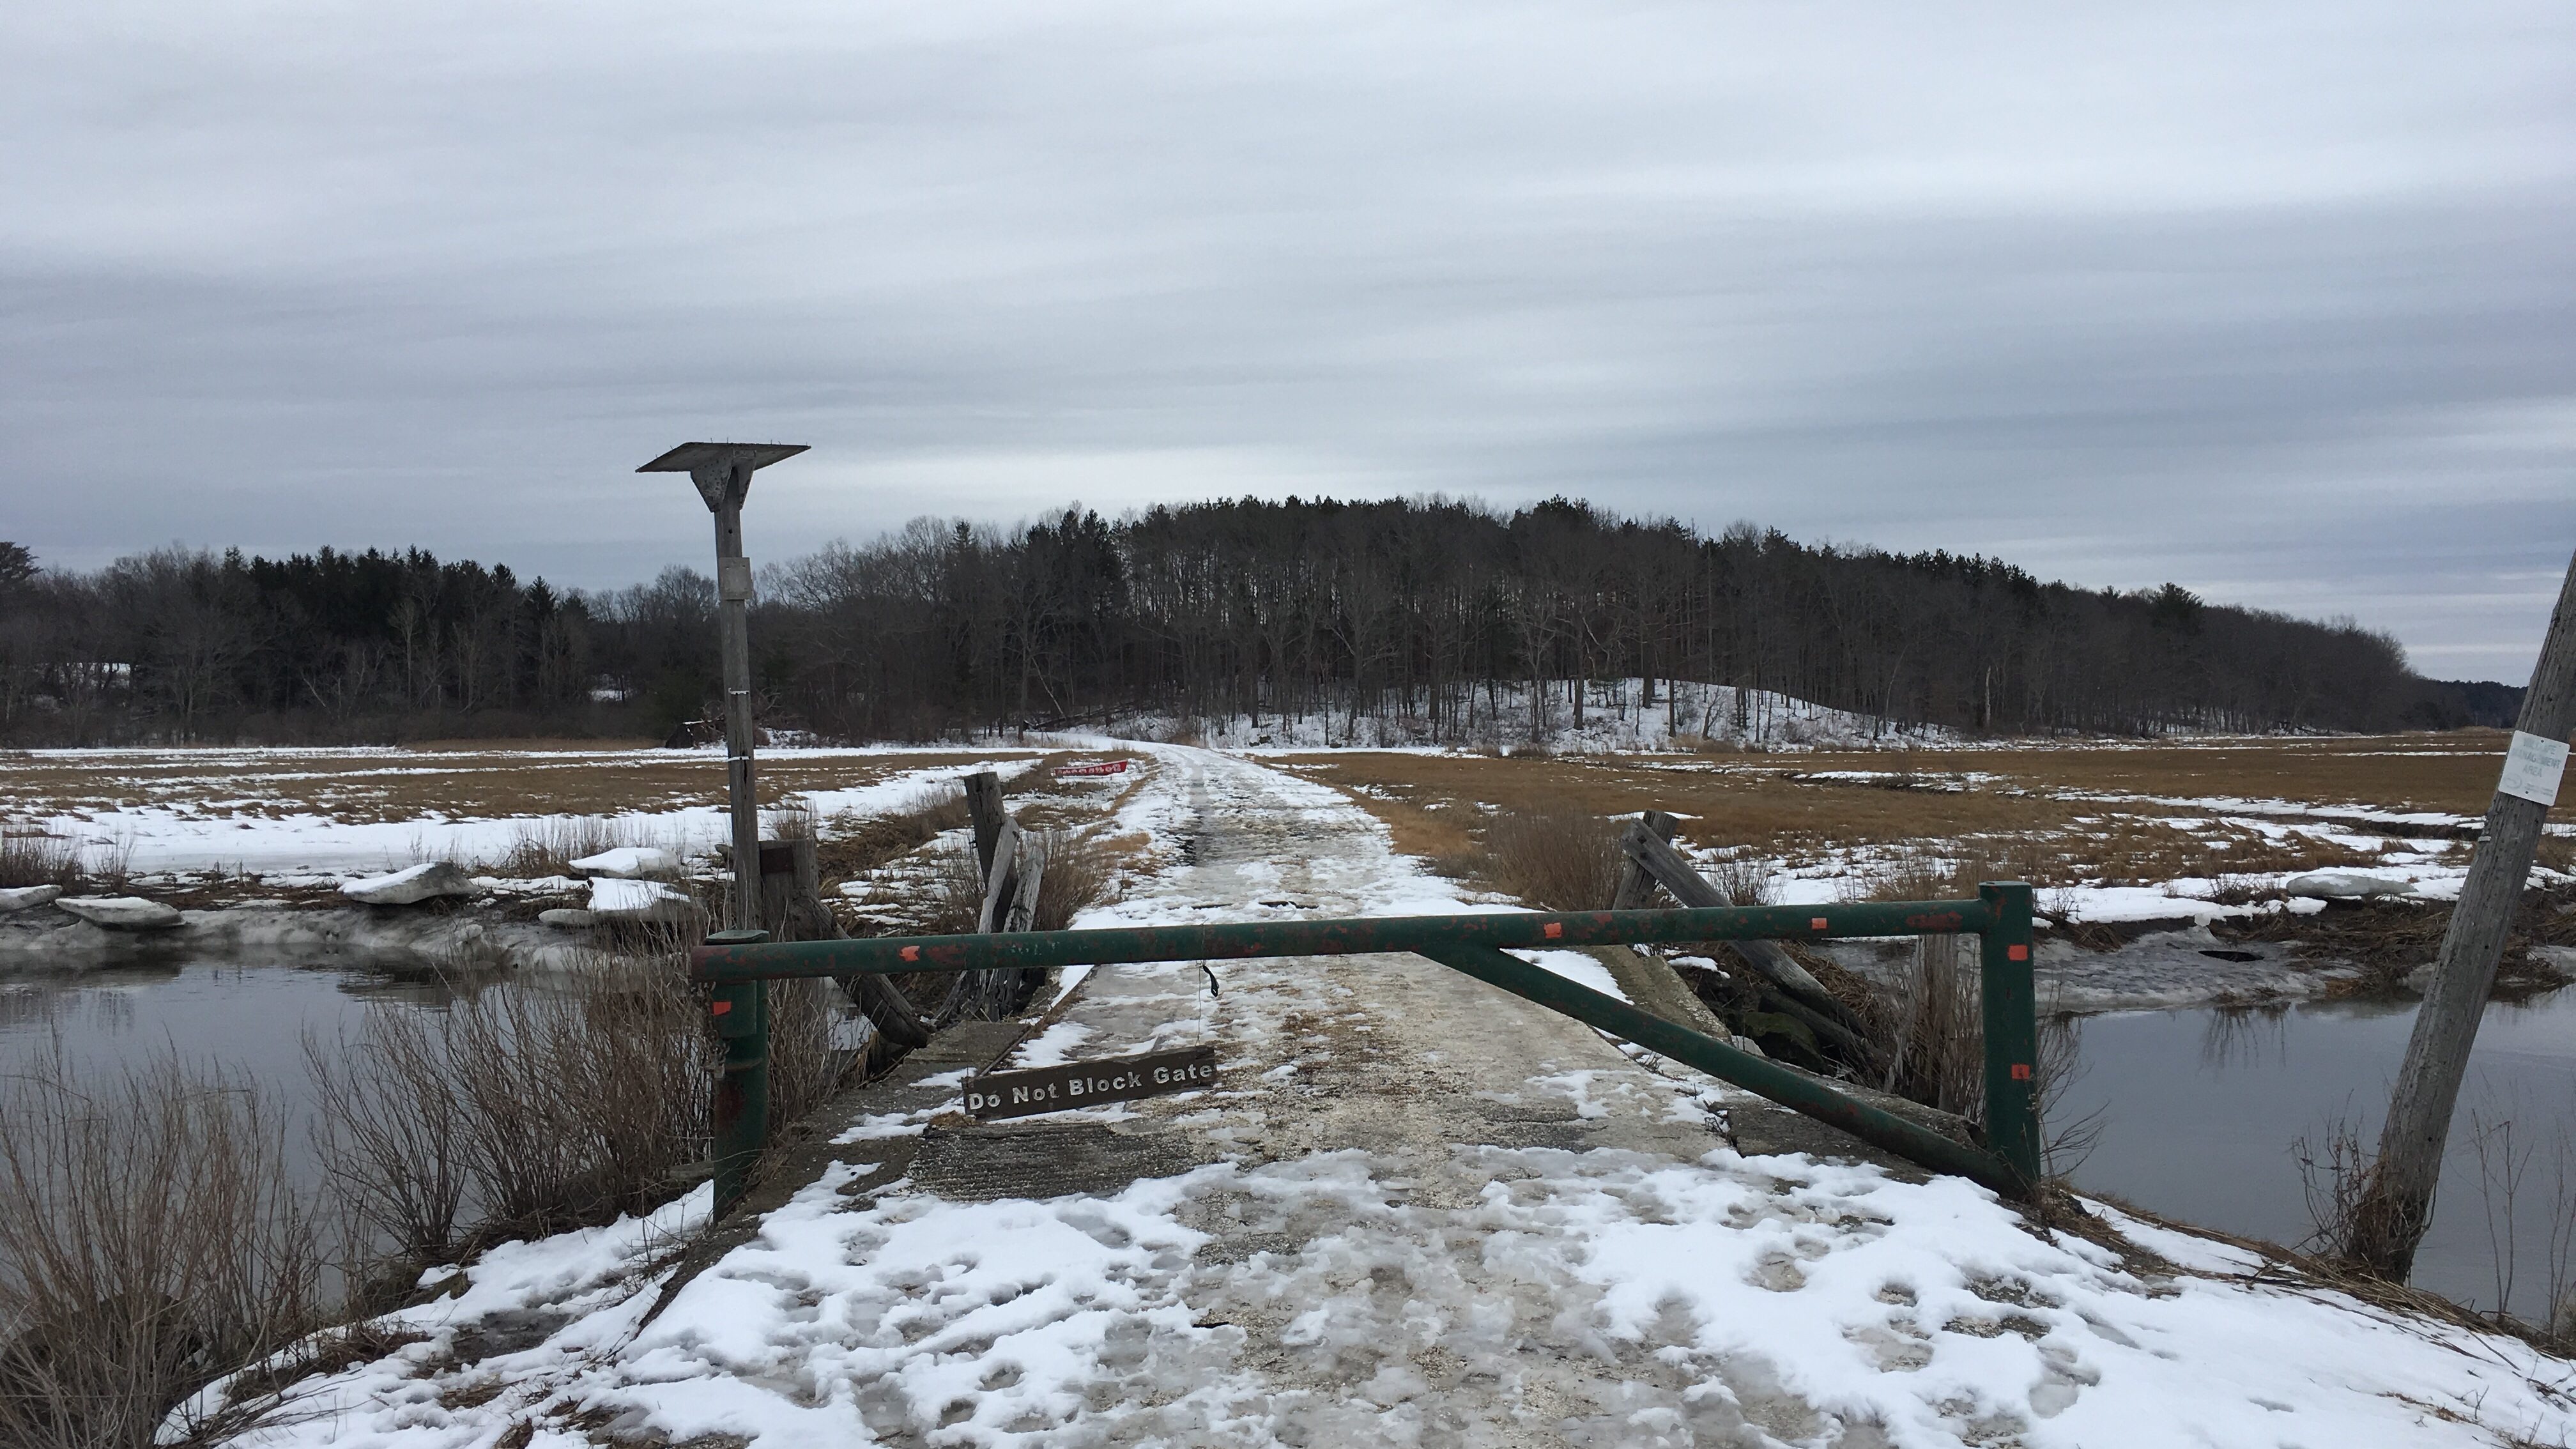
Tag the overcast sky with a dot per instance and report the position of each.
(2278, 302)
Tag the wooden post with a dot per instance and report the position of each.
(721, 472)
(733, 603)
(2397, 1205)
(984, 806)
(1636, 887)
(1000, 864)
(1024, 891)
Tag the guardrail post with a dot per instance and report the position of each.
(2011, 1009)
(741, 1108)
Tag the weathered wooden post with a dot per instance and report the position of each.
(984, 807)
(2397, 1203)
(722, 473)
(1636, 886)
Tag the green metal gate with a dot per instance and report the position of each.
(736, 963)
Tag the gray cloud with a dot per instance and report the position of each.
(2275, 304)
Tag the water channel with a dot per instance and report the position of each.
(248, 1019)
(2200, 1107)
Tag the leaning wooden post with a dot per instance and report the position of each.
(2397, 1204)
(740, 1115)
(2009, 1004)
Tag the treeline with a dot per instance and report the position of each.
(1427, 619)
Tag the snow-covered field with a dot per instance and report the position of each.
(1413, 1212)
(330, 814)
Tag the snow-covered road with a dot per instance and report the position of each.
(1422, 1212)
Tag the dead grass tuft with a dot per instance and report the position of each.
(1747, 879)
(1081, 872)
(1562, 859)
(792, 818)
(31, 857)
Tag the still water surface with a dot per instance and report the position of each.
(248, 1019)
(2201, 1109)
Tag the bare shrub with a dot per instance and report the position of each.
(805, 1067)
(1746, 879)
(1565, 860)
(2335, 1176)
(390, 1129)
(149, 1240)
(792, 818)
(31, 857)
(523, 1108)
(956, 895)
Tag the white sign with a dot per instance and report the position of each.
(733, 579)
(2532, 768)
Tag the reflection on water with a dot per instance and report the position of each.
(205, 1009)
(2246, 1037)
(2200, 1109)
(252, 1019)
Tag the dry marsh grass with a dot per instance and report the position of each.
(2019, 818)
(855, 845)
(1562, 859)
(31, 857)
(476, 780)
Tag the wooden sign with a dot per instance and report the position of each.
(1105, 767)
(994, 1095)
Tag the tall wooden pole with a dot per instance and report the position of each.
(2397, 1206)
(722, 473)
(733, 603)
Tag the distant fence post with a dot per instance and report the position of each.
(741, 1109)
(2010, 1004)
